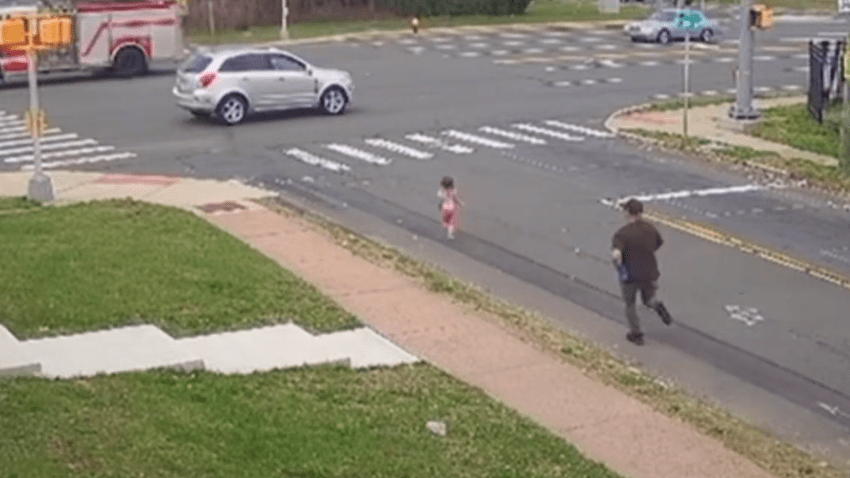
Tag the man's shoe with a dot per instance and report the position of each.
(635, 338)
(663, 313)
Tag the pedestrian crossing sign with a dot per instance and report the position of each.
(36, 123)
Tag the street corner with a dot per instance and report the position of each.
(643, 119)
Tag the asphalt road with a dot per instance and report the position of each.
(536, 203)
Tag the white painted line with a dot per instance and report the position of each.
(709, 93)
(562, 84)
(512, 135)
(533, 51)
(23, 133)
(762, 89)
(60, 154)
(606, 47)
(579, 66)
(648, 63)
(546, 132)
(473, 38)
(801, 69)
(588, 81)
(407, 41)
(67, 144)
(579, 129)
(416, 49)
(513, 43)
(764, 58)
(661, 96)
(610, 64)
(12, 122)
(444, 46)
(731, 91)
(73, 162)
(358, 154)
(477, 139)
(614, 80)
(499, 52)
(436, 143)
(5, 118)
(398, 148)
(513, 35)
(792, 87)
(648, 45)
(440, 39)
(377, 43)
(724, 59)
(569, 48)
(550, 41)
(589, 39)
(12, 129)
(801, 56)
(469, 54)
(696, 192)
(833, 34)
(44, 140)
(314, 160)
(478, 45)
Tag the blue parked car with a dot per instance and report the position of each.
(671, 24)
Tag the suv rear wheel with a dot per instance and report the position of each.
(232, 109)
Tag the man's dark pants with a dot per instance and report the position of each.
(647, 290)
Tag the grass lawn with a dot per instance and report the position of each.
(100, 264)
(8, 204)
(538, 12)
(312, 422)
(794, 126)
(831, 5)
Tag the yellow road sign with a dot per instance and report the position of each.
(36, 123)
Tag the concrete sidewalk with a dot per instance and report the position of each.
(605, 424)
(713, 124)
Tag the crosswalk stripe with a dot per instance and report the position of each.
(436, 143)
(44, 139)
(398, 148)
(73, 162)
(548, 132)
(12, 129)
(66, 144)
(59, 154)
(23, 133)
(579, 129)
(314, 160)
(11, 121)
(477, 139)
(358, 154)
(511, 135)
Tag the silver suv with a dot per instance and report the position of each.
(230, 84)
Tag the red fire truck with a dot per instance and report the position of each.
(123, 37)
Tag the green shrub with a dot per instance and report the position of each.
(433, 8)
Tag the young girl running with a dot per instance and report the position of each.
(450, 203)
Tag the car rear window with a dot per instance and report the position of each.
(196, 63)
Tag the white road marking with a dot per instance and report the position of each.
(444, 46)
(60, 154)
(469, 54)
(477, 139)
(436, 143)
(792, 87)
(398, 148)
(407, 41)
(610, 64)
(648, 63)
(473, 38)
(550, 41)
(801, 56)
(513, 35)
(709, 93)
(45, 139)
(11, 122)
(12, 129)
(613, 80)
(73, 162)
(562, 83)
(532, 51)
(512, 135)
(731, 91)
(478, 45)
(725, 59)
(661, 96)
(23, 133)
(579, 66)
(579, 129)
(377, 43)
(358, 154)
(588, 81)
(314, 160)
(546, 132)
(833, 34)
(762, 89)
(416, 49)
(801, 69)
(606, 47)
(764, 58)
(44, 147)
(749, 316)
(513, 43)
(569, 48)
(697, 192)
(499, 52)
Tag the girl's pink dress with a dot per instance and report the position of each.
(449, 207)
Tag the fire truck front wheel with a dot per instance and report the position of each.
(129, 62)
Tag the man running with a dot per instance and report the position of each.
(633, 253)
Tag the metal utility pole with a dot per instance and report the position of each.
(743, 108)
(844, 153)
(687, 81)
(40, 186)
(284, 33)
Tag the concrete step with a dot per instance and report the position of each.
(366, 348)
(261, 349)
(15, 359)
(122, 349)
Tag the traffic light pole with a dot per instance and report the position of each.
(40, 186)
(743, 108)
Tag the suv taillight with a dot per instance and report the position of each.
(207, 79)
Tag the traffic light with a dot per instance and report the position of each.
(13, 32)
(54, 31)
(761, 17)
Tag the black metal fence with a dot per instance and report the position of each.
(826, 75)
